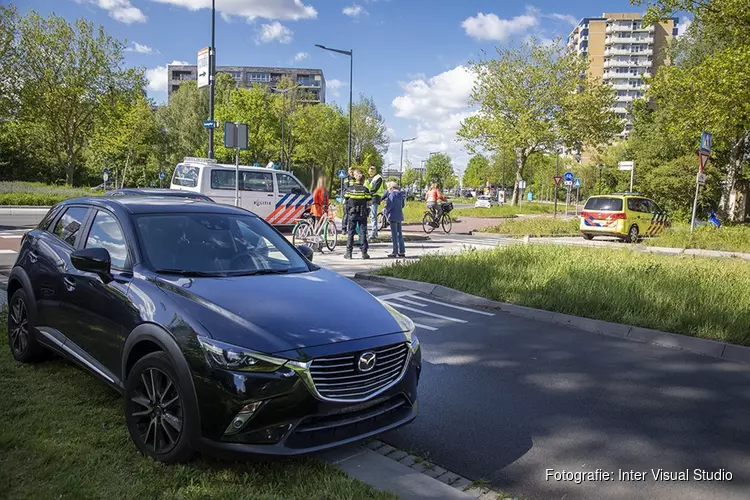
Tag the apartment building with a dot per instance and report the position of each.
(622, 51)
(310, 80)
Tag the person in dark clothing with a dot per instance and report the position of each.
(347, 182)
(356, 209)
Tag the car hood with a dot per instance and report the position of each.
(275, 313)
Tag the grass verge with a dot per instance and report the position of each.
(501, 211)
(38, 194)
(728, 238)
(63, 435)
(538, 226)
(692, 296)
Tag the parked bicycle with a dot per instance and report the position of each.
(382, 221)
(430, 221)
(317, 233)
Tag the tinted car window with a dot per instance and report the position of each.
(47, 220)
(287, 184)
(223, 244)
(637, 204)
(257, 181)
(185, 175)
(106, 233)
(613, 204)
(70, 223)
(222, 179)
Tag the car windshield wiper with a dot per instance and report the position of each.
(258, 272)
(190, 274)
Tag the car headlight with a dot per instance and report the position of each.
(414, 343)
(232, 357)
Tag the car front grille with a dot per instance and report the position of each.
(338, 377)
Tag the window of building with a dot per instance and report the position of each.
(258, 77)
(307, 80)
(70, 223)
(237, 75)
(175, 88)
(106, 233)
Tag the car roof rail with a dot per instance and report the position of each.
(195, 159)
(628, 193)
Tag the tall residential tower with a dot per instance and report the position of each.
(622, 51)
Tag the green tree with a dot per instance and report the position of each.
(368, 129)
(322, 138)
(439, 170)
(64, 76)
(477, 172)
(531, 99)
(370, 158)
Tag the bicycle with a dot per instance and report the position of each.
(317, 233)
(430, 221)
(382, 221)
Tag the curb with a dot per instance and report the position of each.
(13, 210)
(706, 347)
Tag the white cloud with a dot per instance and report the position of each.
(288, 10)
(120, 10)
(567, 18)
(490, 27)
(301, 56)
(141, 49)
(273, 32)
(333, 87)
(436, 108)
(157, 77)
(683, 26)
(354, 10)
(416, 76)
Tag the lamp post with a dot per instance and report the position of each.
(401, 163)
(283, 113)
(212, 79)
(349, 53)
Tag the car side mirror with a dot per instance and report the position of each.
(93, 260)
(306, 251)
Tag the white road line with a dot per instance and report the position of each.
(431, 328)
(11, 237)
(7, 251)
(395, 295)
(410, 302)
(426, 313)
(467, 309)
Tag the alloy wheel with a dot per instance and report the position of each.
(157, 411)
(19, 326)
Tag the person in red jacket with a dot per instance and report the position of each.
(320, 200)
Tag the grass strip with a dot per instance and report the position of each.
(728, 238)
(537, 226)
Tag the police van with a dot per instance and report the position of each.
(277, 196)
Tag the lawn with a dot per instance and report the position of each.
(694, 296)
(537, 226)
(63, 435)
(728, 238)
(501, 211)
(38, 194)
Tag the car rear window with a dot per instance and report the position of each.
(185, 175)
(613, 204)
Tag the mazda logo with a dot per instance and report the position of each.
(366, 362)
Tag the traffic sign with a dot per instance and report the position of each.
(105, 175)
(701, 178)
(521, 184)
(557, 180)
(625, 165)
(707, 139)
(568, 177)
(703, 159)
(568, 183)
(210, 124)
(577, 182)
(342, 174)
(162, 175)
(203, 67)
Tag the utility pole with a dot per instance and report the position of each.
(401, 163)
(212, 79)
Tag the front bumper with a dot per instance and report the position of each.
(292, 420)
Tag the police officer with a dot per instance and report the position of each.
(376, 186)
(347, 182)
(356, 209)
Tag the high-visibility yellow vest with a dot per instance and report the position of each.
(381, 190)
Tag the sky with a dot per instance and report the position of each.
(410, 56)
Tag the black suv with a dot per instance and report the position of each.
(157, 192)
(220, 334)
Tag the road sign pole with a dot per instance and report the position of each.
(632, 171)
(237, 165)
(557, 174)
(695, 205)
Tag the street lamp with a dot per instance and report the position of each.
(349, 53)
(283, 113)
(401, 163)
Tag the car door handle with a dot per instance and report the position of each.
(69, 284)
(33, 257)
(270, 194)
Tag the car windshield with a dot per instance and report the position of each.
(211, 244)
(613, 204)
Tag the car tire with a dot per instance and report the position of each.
(21, 332)
(160, 410)
(632, 234)
(588, 237)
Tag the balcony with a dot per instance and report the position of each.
(617, 52)
(643, 52)
(624, 86)
(646, 74)
(619, 27)
(620, 110)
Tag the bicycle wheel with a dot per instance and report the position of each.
(427, 223)
(301, 232)
(447, 223)
(381, 221)
(330, 235)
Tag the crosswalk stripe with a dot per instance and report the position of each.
(426, 313)
(410, 302)
(467, 309)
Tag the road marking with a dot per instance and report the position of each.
(418, 325)
(2, 251)
(426, 313)
(411, 302)
(395, 295)
(467, 309)
(11, 237)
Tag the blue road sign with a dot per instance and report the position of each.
(162, 175)
(106, 171)
(209, 124)
(342, 174)
(568, 176)
(707, 139)
(577, 182)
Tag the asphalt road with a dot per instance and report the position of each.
(504, 398)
